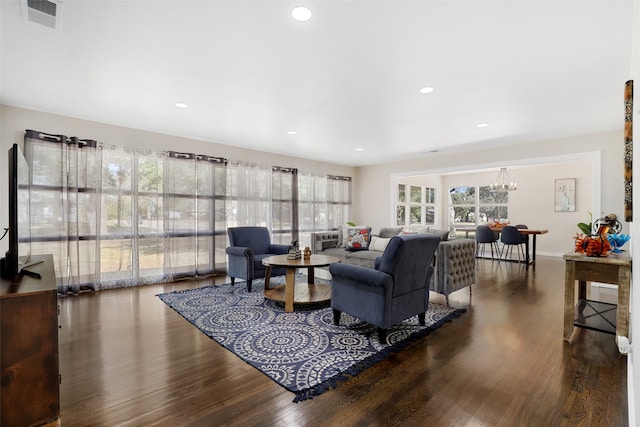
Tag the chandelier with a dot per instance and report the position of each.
(504, 182)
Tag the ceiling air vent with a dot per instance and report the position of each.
(43, 12)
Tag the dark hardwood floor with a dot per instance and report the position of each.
(128, 359)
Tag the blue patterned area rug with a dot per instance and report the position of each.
(302, 351)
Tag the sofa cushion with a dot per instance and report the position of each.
(337, 252)
(363, 258)
(388, 232)
(358, 239)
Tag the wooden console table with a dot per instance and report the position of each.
(29, 338)
(614, 269)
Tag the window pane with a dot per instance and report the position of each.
(430, 216)
(464, 215)
(46, 165)
(415, 213)
(401, 193)
(400, 215)
(488, 196)
(151, 256)
(116, 259)
(150, 175)
(463, 195)
(416, 194)
(430, 195)
(205, 254)
(490, 214)
(116, 170)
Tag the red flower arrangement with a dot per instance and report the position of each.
(596, 245)
(590, 243)
(498, 224)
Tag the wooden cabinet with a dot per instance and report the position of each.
(30, 376)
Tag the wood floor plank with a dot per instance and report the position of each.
(128, 359)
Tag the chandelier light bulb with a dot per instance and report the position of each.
(504, 182)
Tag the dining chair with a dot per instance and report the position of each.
(485, 235)
(524, 237)
(510, 237)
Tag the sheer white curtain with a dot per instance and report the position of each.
(312, 205)
(248, 195)
(116, 217)
(324, 203)
(65, 206)
(211, 214)
(284, 195)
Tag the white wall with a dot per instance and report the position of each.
(14, 121)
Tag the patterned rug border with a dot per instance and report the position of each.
(337, 379)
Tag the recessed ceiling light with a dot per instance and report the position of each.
(301, 13)
(291, 132)
(426, 89)
(359, 149)
(483, 125)
(181, 105)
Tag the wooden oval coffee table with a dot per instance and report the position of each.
(290, 293)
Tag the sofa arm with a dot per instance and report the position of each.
(321, 240)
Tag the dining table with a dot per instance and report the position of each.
(530, 256)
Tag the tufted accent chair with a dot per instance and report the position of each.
(455, 266)
(248, 246)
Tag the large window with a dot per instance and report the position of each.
(471, 206)
(114, 216)
(416, 205)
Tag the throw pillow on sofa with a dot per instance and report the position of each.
(343, 233)
(379, 243)
(358, 239)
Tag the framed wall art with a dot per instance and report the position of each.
(565, 195)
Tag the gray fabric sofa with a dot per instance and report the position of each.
(455, 259)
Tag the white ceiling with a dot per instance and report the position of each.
(346, 79)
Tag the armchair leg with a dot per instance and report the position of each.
(233, 281)
(382, 335)
(422, 316)
(249, 285)
(336, 316)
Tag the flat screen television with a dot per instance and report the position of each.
(18, 256)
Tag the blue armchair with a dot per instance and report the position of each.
(248, 246)
(397, 289)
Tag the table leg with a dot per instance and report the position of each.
(624, 283)
(582, 289)
(311, 273)
(534, 248)
(569, 298)
(526, 246)
(289, 289)
(267, 277)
